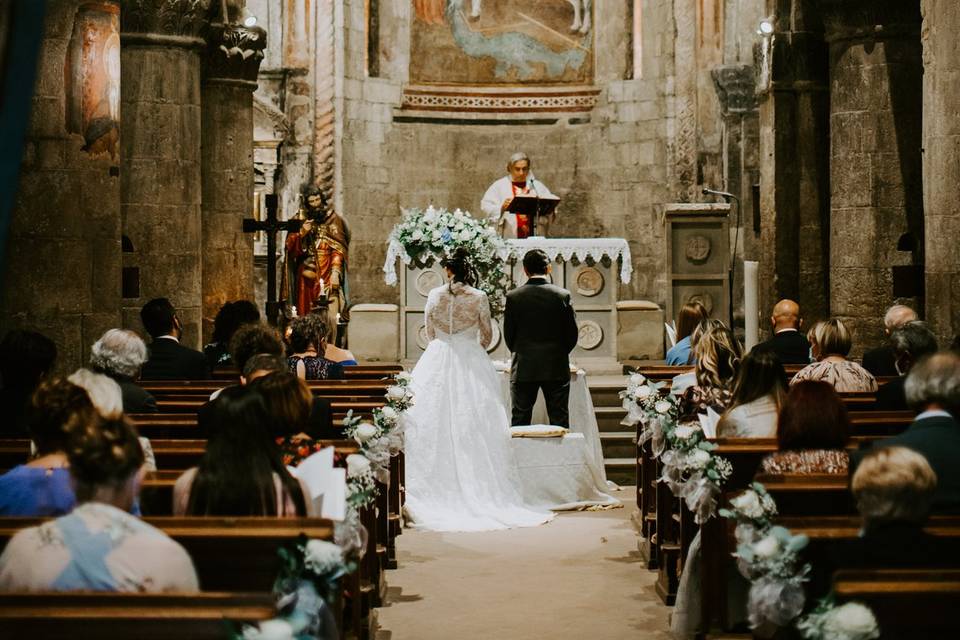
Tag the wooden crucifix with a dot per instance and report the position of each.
(272, 225)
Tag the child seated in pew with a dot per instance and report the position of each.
(893, 488)
(42, 486)
(241, 473)
(299, 419)
(759, 392)
(812, 431)
(99, 546)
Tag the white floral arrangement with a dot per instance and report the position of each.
(640, 400)
(306, 585)
(770, 561)
(399, 395)
(753, 511)
(361, 482)
(850, 621)
(423, 236)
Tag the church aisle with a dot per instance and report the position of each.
(578, 577)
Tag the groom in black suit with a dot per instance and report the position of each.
(540, 328)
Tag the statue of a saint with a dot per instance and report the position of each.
(315, 265)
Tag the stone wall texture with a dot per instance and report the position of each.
(941, 164)
(62, 273)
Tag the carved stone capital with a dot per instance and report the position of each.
(736, 87)
(869, 19)
(164, 22)
(234, 52)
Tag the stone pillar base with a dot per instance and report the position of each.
(374, 332)
(639, 330)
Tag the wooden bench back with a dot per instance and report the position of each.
(326, 388)
(120, 616)
(230, 554)
(351, 372)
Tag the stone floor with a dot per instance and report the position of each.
(578, 577)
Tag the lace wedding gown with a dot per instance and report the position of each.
(460, 470)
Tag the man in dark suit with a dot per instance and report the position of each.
(933, 389)
(787, 342)
(540, 328)
(880, 361)
(168, 359)
(910, 343)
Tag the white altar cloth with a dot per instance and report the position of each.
(581, 458)
(557, 474)
(566, 248)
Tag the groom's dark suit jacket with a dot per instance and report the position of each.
(540, 328)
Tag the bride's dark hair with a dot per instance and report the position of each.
(459, 265)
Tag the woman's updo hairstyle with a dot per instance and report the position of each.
(58, 409)
(105, 453)
(459, 265)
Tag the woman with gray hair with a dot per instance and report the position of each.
(894, 488)
(119, 354)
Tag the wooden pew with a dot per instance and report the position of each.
(120, 616)
(325, 388)
(190, 404)
(351, 372)
(907, 603)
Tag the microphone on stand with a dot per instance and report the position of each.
(736, 236)
(536, 194)
(714, 192)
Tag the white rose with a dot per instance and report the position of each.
(662, 406)
(269, 630)
(699, 458)
(357, 465)
(852, 620)
(642, 393)
(322, 556)
(416, 235)
(364, 432)
(637, 379)
(767, 547)
(396, 392)
(684, 431)
(404, 377)
(389, 414)
(465, 235)
(748, 503)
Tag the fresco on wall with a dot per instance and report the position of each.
(501, 42)
(92, 75)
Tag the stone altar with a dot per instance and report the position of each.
(589, 268)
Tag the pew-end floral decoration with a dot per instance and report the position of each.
(307, 584)
(850, 621)
(640, 400)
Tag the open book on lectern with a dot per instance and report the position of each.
(533, 206)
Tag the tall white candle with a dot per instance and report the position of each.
(751, 312)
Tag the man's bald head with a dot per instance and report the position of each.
(786, 315)
(897, 316)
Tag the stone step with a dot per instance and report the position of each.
(606, 392)
(609, 419)
(618, 444)
(623, 471)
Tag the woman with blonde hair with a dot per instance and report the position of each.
(718, 355)
(830, 342)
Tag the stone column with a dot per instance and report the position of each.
(62, 270)
(876, 97)
(941, 165)
(160, 172)
(232, 60)
(794, 162)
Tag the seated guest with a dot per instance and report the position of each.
(787, 342)
(758, 393)
(262, 364)
(910, 342)
(881, 361)
(42, 486)
(933, 390)
(691, 314)
(241, 473)
(254, 339)
(812, 431)
(168, 359)
(295, 410)
(120, 354)
(107, 399)
(308, 338)
(718, 354)
(893, 488)
(831, 342)
(99, 546)
(229, 318)
(343, 357)
(26, 357)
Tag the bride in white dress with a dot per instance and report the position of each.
(460, 470)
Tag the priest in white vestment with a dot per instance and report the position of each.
(518, 181)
